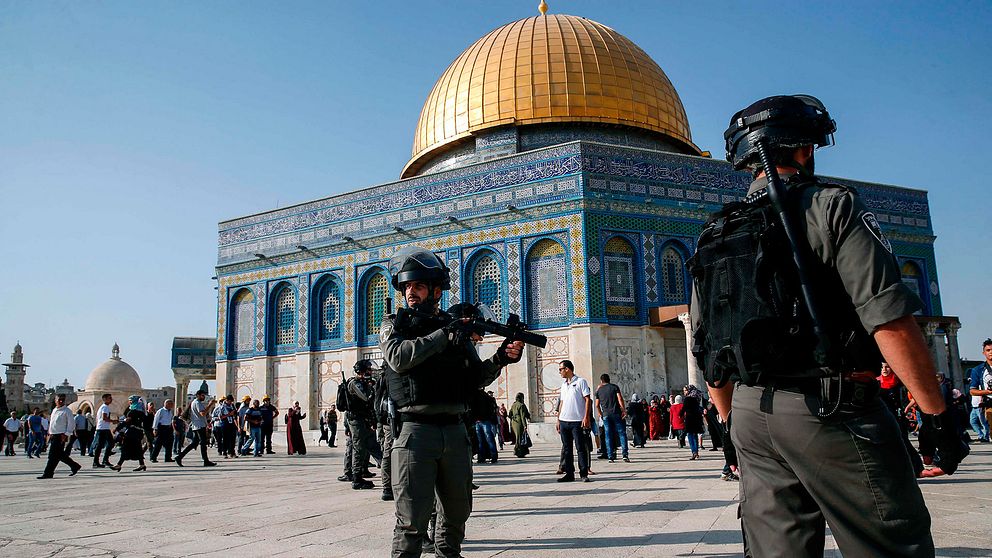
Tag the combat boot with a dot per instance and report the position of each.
(362, 484)
(387, 494)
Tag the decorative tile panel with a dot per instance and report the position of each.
(513, 278)
(650, 275)
(303, 316)
(349, 303)
(260, 300)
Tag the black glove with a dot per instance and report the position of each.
(502, 359)
(951, 449)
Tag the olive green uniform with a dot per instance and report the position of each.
(361, 424)
(854, 473)
(432, 453)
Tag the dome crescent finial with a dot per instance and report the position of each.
(543, 8)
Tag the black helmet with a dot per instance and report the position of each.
(363, 365)
(782, 121)
(414, 263)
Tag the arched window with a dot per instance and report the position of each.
(621, 291)
(243, 322)
(376, 291)
(547, 301)
(672, 276)
(487, 284)
(328, 311)
(284, 317)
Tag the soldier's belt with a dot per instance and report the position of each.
(442, 419)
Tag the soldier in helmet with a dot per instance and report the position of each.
(361, 424)
(816, 445)
(433, 374)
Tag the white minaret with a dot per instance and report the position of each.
(16, 370)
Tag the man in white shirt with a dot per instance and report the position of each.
(61, 426)
(103, 436)
(162, 430)
(574, 412)
(11, 427)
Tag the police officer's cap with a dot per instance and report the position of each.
(414, 263)
(363, 365)
(787, 121)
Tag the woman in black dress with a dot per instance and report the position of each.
(131, 437)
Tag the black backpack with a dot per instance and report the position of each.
(754, 321)
(342, 399)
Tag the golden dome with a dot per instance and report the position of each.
(548, 68)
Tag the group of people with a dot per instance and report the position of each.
(602, 418)
(686, 417)
(245, 429)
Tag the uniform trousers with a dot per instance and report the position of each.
(58, 453)
(363, 443)
(387, 459)
(431, 459)
(332, 427)
(348, 451)
(165, 438)
(799, 472)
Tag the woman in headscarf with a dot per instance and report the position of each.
(519, 416)
(654, 418)
(294, 430)
(635, 410)
(135, 405)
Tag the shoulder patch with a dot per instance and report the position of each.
(871, 223)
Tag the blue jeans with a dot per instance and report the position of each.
(979, 424)
(486, 433)
(693, 440)
(256, 439)
(611, 426)
(35, 441)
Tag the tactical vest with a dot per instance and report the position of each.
(754, 325)
(450, 377)
(355, 404)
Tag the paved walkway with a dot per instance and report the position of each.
(659, 505)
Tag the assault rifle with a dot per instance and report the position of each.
(512, 330)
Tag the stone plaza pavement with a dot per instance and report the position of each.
(661, 504)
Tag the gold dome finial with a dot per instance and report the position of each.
(543, 8)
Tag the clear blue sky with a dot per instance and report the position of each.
(129, 129)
